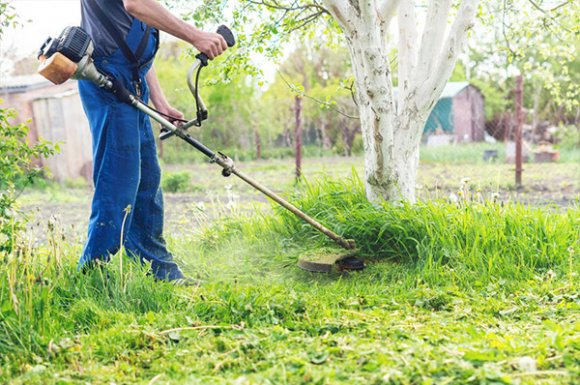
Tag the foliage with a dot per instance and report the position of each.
(17, 169)
(538, 39)
(176, 181)
(481, 293)
(238, 111)
(568, 137)
(8, 17)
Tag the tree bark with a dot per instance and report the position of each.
(374, 96)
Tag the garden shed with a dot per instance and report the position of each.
(53, 113)
(458, 114)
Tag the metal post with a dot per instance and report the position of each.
(519, 91)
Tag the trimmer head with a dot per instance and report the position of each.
(324, 261)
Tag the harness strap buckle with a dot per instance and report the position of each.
(138, 88)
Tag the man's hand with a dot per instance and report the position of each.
(210, 43)
(173, 113)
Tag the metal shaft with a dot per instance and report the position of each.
(348, 244)
(229, 168)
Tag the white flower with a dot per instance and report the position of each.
(526, 364)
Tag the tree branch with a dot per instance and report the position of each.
(548, 13)
(318, 100)
(293, 7)
(343, 12)
(457, 35)
(387, 10)
(503, 31)
(407, 50)
(306, 20)
(432, 38)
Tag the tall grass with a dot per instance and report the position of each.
(51, 313)
(476, 237)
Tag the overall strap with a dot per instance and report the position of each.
(118, 37)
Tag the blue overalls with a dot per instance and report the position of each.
(126, 170)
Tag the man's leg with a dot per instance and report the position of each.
(116, 147)
(145, 238)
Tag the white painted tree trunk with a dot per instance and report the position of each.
(392, 129)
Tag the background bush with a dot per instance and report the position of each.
(17, 170)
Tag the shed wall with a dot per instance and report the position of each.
(468, 115)
(61, 119)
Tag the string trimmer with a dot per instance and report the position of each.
(69, 57)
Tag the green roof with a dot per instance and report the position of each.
(453, 88)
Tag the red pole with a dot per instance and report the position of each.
(519, 128)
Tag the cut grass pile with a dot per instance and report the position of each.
(473, 292)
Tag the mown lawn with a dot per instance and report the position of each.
(473, 292)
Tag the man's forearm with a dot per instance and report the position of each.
(155, 92)
(154, 14)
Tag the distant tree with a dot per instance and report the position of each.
(539, 39)
(25, 66)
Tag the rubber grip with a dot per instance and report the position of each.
(227, 34)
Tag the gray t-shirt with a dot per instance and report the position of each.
(104, 43)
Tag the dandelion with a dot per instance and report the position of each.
(526, 364)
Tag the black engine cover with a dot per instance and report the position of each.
(74, 43)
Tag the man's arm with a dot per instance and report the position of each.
(154, 14)
(158, 97)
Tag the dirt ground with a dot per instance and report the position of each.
(210, 195)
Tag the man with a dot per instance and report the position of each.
(127, 204)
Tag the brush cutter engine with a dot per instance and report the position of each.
(69, 57)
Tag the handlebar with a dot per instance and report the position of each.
(201, 61)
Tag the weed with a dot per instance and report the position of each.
(176, 181)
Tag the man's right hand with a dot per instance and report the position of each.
(210, 43)
(152, 13)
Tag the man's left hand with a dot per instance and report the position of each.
(176, 115)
